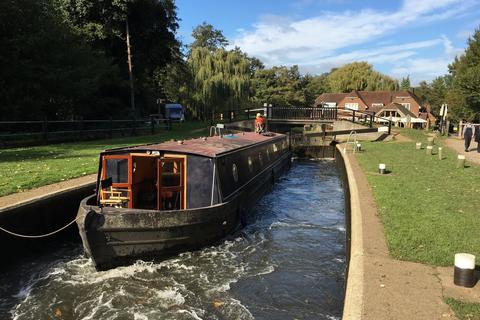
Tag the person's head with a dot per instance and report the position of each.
(258, 115)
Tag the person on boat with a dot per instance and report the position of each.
(259, 124)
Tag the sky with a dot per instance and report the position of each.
(415, 38)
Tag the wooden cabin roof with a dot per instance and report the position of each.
(209, 147)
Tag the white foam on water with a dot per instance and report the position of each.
(170, 297)
(191, 313)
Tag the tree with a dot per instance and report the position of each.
(221, 79)
(152, 26)
(46, 69)
(466, 73)
(405, 83)
(359, 76)
(206, 36)
(315, 86)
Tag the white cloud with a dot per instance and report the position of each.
(322, 42)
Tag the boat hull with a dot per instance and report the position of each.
(117, 236)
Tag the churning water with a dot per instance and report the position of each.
(289, 263)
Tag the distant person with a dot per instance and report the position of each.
(468, 133)
(477, 138)
(259, 124)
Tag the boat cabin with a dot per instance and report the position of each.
(179, 175)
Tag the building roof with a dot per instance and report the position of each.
(368, 97)
(209, 147)
(397, 107)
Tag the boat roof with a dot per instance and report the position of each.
(209, 146)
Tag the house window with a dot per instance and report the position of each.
(329, 104)
(406, 105)
(377, 105)
(351, 106)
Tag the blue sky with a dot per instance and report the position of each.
(416, 38)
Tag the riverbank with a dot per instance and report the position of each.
(23, 169)
(428, 217)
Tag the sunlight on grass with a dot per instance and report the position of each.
(26, 168)
(464, 310)
(429, 207)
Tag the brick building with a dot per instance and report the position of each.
(373, 101)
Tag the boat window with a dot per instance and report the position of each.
(171, 174)
(117, 169)
(250, 164)
(235, 172)
(170, 184)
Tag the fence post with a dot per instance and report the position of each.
(389, 126)
(152, 126)
(371, 120)
(45, 130)
(353, 116)
(110, 127)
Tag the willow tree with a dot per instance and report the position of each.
(360, 76)
(221, 78)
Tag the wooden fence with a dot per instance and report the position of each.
(27, 133)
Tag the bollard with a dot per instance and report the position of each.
(430, 141)
(429, 150)
(464, 272)
(418, 145)
(461, 161)
(382, 168)
(440, 154)
(359, 147)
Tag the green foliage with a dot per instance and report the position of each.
(466, 74)
(281, 86)
(221, 78)
(464, 310)
(428, 207)
(46, 70)
(206, 36)
(435, 93)
(405, 83)
(359, 76)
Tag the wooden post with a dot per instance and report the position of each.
(371, 120)
(429, 150)
(440, 153)
(461, 161)
(353, 116)
(248, 114)
(430, 141)
(460, 129)
(152, 125)
(110, 127)
(389, 127)
(45, 130)
(447, 129)
(418, 145)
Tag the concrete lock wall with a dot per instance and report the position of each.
(40, 216)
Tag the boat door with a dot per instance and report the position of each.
(171, 183)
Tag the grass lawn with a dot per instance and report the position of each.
(31, 167)
(429, 208)
(464, 310)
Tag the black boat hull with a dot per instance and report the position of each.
(117, 236)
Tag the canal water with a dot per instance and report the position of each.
(288, 263)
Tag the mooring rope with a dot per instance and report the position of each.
(38, 236)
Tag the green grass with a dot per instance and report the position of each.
(26, 168)
(428, 207)
(464, 310)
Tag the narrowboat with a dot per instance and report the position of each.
(157, 200)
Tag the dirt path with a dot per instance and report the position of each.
(33, 194)
(458, 145)
(393, 289)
